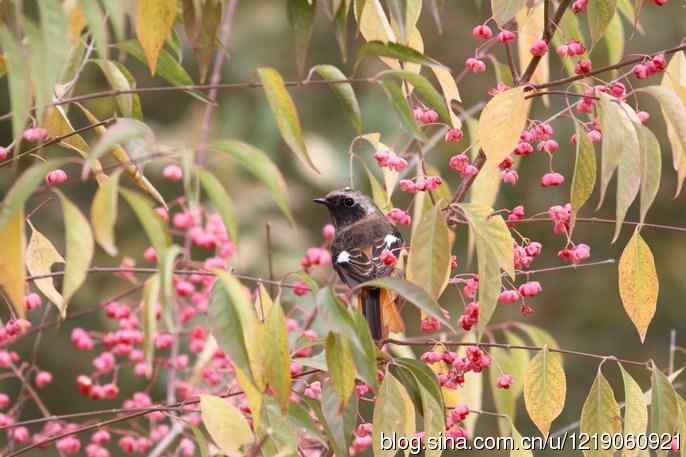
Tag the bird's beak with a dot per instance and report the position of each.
(323, 201)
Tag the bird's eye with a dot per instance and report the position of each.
(349, 202)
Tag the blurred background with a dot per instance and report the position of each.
(580, 308)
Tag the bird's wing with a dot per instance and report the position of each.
(361, 264)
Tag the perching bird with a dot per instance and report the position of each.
(360, 252)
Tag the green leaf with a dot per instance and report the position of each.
(545, 387)
(344, 91)
(53, 29)
(153, 224)
(600, 414)
(117, 16)
(613, 40)
(505, 10)
(494, 253)
(278, 359)
(651, 168)
(584, 177)
(168, 68)
(123, 130)
(226, 301)
(339, 320)
(201, 441)
(413, 294)
(79, 250)
(116, 74)
(24, 186)
(165, 264)
(538, 336)
(18, 80)
(501, 123)
(432, 406)
(428, 263)
(301, 15)
(393, 414)
(261, 167)
(97, 24)
(638, 283)
(151, 295)
(628, 181)
(599, 16)
(395, 95)
(341, 366)
(104, 213)
(635, 411)
(225, 424)
(220, 200)
(202, 31)
(664, 408)
(619, 135)
(394, 51)
(429, 94)
(338, 423)
(286, 114)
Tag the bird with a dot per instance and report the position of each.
(363, 239)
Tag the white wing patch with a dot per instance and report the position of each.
(343, 257)
(390, 240)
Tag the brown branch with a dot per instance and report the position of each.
(199, 87)
(560, 92)
(601, 220)
(433, 342)
(548, 32)
(624, 63)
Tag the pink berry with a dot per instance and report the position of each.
(504, 381)
(594, 136)
(510, 176)
(475, 65)
(453, 135)
(300, 288)
(505, 36)
(56, 177)
(660, 2)
(3, 153)
(508, 297)
(69, 445)
(552, 179)
(388, 258)
(643, 116)
(43, 378)
(539, 48)
(328, 232)
(641, 71)
(583, 67)
(579, 5)
(482, 31)
(36, 134)
(172, 172)
(33, 301)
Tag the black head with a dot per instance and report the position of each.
(347, 206)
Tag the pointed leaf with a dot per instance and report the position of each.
(664, 408)
(260, 166)
(286, 114)
(501, 123)
(674, 112)
(450, 92)
(154, 21)
(220, 200)
(397, 98)
(545, 388)
(394, 51)
(104, 213)
(600, 414)
(635, 412)
(339, 361)
(393, 414)
(79, 250)
(599, 16)
(424, 88)
(301, 15)
(12, 273)
(413, 294)
(530, 22)
(638, 283)
(149, 302)
(584, 178)
(428, 263)
(379, 194)
(619, 135)
(505, 10)
(225, 424)
(344, 91)
(651, 168)
(202, 31)
(277, 357)
(18, 79)
(153, 224)
(41, 255)
(97, 25)
(628, 181)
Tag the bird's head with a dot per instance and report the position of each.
(347, 206)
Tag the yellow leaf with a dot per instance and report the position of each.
(675, 78)
(450, 92)
(104, 213)
(584, 177)
(393, 414)
(545, 388)
(638, 283)
(252, 394)
(12, 275)
(374, 25)
(77, 21)
(225, 424)
(154, 21)
(600, 414)
(41, 255)
(530, 29)
(79, 250)
(501, 123)
(57, 124)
